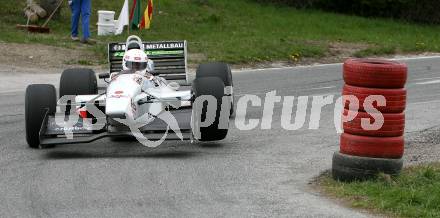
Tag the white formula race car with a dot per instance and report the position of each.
(148, 95)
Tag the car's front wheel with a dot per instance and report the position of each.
(209, 95)
(222, 71)
(40, 101)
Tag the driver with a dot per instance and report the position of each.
(136, 61)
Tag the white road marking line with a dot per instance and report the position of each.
(427, 78)
(11, 91)
(310, 95)
(326, 94)
(429, 82)
(255, 93)
(319, 88)
(415, 58)
(330, 65)
(424, 102)
(287, 68)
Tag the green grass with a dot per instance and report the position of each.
(375, 51)
(415, 193)
(241, 31)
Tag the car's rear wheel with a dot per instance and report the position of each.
(220, 70)
(75, 82)
(78, 82)
(218, 129)
(40, 100)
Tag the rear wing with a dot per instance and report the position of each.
(170, 58)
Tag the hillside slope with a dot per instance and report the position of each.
(243, 31)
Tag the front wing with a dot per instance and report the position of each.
(51, 133)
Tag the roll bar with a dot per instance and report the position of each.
(134, 40)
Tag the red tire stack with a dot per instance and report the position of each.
(364, 153)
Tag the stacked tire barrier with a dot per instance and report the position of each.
(363, 152)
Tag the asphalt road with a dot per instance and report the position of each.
(255, 173)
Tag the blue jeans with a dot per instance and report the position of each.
(81, 8)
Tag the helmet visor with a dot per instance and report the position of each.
(136, 66)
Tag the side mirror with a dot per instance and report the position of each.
(140, 97)
(104, 75)
(150, 66)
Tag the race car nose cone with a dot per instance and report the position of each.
(118, 106)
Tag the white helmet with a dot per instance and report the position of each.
(136, 60)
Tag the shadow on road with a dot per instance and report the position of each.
(127, 148)
(93, 154)
(211, 145)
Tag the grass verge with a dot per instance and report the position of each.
(240, 31)
(375, 51)
(415, 193)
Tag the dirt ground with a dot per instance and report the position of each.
(38, 58)
(423, 146)
(337, 53)
(47, 58)
(53, 59)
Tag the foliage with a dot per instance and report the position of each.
(239, 31)
(424, 11)
(415, 193)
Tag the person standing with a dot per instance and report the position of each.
(81, 8)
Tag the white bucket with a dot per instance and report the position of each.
(106, 17)
(106, 29)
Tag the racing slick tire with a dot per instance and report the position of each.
(209, 86)
(374, 73)
(377, 147)
(78, 82)
(393, 125)
(353, 168)
(395, 98)
(39, 100)
(221, 70)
